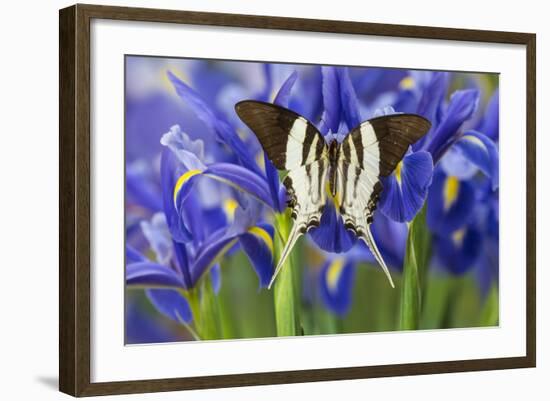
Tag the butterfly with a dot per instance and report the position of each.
(350, 170)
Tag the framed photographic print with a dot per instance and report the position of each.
(312, 200)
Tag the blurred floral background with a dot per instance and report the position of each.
(206, 217)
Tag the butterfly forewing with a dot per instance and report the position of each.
(288, 139)
(379, 144)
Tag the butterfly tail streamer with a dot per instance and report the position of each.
(292, 238)
(369, 240)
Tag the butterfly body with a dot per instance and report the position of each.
(349, 171)
(334, 155)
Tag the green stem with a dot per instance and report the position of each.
(188, 327)
(210, 323)
(414, 272)
(285, 288)
(192, 297)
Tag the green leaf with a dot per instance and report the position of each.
(286, 285)
(465, 302)
(489, 313)
(436, 301)
(415, 266)
(209, 325)
(375, 304)
(246, 311)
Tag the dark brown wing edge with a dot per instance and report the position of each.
(395, 133)
(272, 125)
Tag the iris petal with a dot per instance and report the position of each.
(282, 99)
(336, 285)
(405, 101)
(257, 243)
(209, 254)
(223, 130)
(189, 153)
(132, 255)
(487, 266)
(482, 152)
(431, 101)
(330, 121)
(152, 275)
(331, 235)
(459, 251)
(191, 212)
(182, 262)
(231, 174)
(158, 235)
(309, 82)
(140, 191)
(433, 95)
(462, 105)
(455, 163)
(450, 203)
(283, 95)
(171, 304)
(390, 237)
(348, 98)
(490, 123)
(168, 173)
(405, 191)
(216, 277)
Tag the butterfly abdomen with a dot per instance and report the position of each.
(333, 155)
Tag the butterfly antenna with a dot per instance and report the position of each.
(292, 238)
(369, 240)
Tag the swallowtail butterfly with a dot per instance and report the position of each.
(349, 170)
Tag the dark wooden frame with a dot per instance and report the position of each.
(74, 199)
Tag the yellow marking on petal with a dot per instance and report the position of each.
(273, 94)
(334, 272)
(450, 191)
(183, 179)
(337, 202)
(264, 235)
(242, 134)
(398, 169)
(458, 236)
(335, 199)
(167, 84)
(407, 83)
(260, 161)
(475, 140)
(229, 206)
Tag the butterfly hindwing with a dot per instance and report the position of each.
(360, 190)
(288, 139)
(371, 151)
(305, 186)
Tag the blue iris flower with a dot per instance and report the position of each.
(463, 201)
(188, 238)
(487, 267)
(336, 284)
(178, 266)
(220, 194)
(337, 272)
(459, 155)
